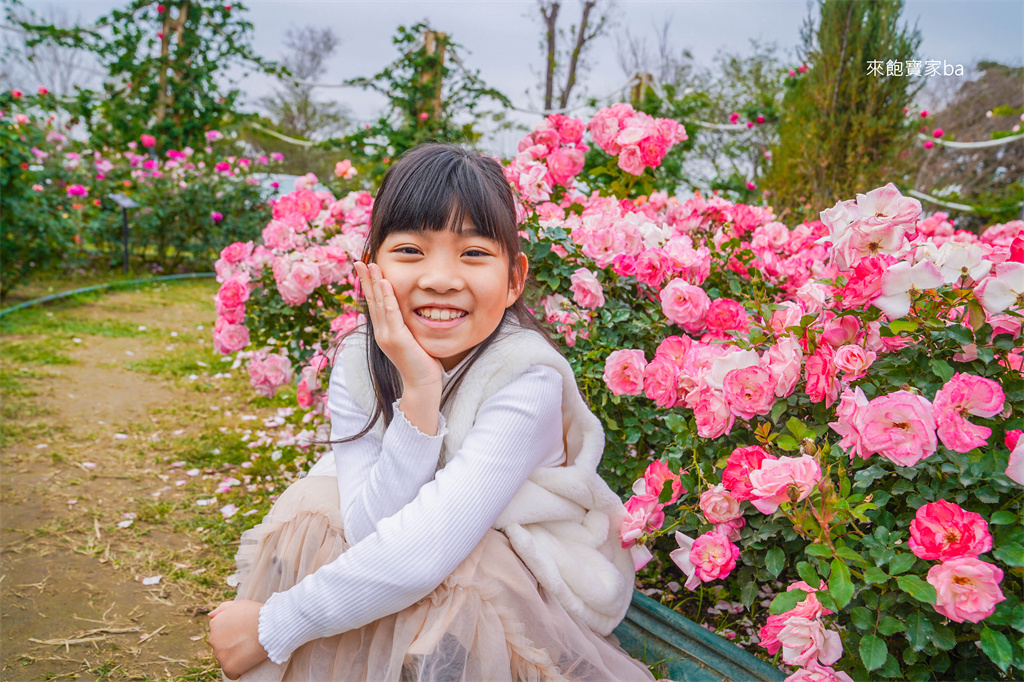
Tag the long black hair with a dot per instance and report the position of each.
(435, 186)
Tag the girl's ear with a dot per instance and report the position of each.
(515, 289)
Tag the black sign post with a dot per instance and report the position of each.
(125, 203)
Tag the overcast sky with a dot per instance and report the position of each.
(501, 37)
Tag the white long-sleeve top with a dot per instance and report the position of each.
(408, 526)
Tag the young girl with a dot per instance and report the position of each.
(461, 532)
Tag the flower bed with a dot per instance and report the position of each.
(836, 405)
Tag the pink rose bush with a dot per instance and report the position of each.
(822, 403)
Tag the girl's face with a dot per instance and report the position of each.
(465, 275)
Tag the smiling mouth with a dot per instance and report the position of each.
(440, 314)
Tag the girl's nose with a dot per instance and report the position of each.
(441, 275)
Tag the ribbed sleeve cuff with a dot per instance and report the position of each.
(279, 634)
(409, 432)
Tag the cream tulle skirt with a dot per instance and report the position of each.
(488, 620)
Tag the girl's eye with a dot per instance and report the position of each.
(482, 253)
(405, 249)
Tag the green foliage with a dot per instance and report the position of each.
(31, 235)
(431, 96)
(164, 70)
(843, 129)
(188, 208)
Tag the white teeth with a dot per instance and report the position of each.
(439, 314)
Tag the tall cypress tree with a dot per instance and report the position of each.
(843, 129)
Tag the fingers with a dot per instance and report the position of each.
(220, 608)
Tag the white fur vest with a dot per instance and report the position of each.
(563, 523)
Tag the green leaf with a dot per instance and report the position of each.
(941, 368)
(875, 575)
(808, 574)
(960, 334)
(775, 561)
(919, 630)
(818, 550)
(786, 601)
(850, 555)
(796, 427)
(777, 410)
(997, 647)
(890, 625)
(840, 585)
(943, 637)
(862, 617)
(1012, 554)
(748, 593)
(917, 588)
(900, 326)
(1002, 518)
(787, 442)
(873, 652)
(676, 423)
(901, 563)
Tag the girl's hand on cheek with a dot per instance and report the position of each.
(234, 636)
(392, 334)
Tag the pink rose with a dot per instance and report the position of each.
(565, 164)
(713, 556)
(731, 529)
(301, 281)
(813, 672)
(685, 304)
(570, 130)
(230, 315)
(718, 505)
(714, 418)
(821, 376)
(643, 516)
(681, 558)
(736, 477)
(307, 203)
(849, 420)
(899, 426)
(725, 315)
(234, 292)
(749, 392)
(303, 396)
(805, 639)
(963, 394)
(228, 338)
(661, 381)
(624, 372)
(631, 160)
(853, 361)
(966, 588)
(841, 330)
(586, 290)
(279, 235)
(1015, 465)
(676, 348)
(777, 481)
(784, 363)
(943, 530)
(266, 374)
(655, 477)
(651, 267)
(237, 252)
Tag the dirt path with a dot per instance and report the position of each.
(95, 406)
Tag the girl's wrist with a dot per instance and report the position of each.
(421, 406)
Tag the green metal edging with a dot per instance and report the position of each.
(99, 287)
(654, 633)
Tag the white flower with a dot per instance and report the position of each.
(804, 640)
(901, 281)
(737, 359)
(956, 260)
(1003, 289)
(681, 558)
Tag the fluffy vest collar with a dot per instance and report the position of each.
(563, 523)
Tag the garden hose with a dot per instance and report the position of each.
(99, 287)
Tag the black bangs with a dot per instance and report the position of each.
(436, 187)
